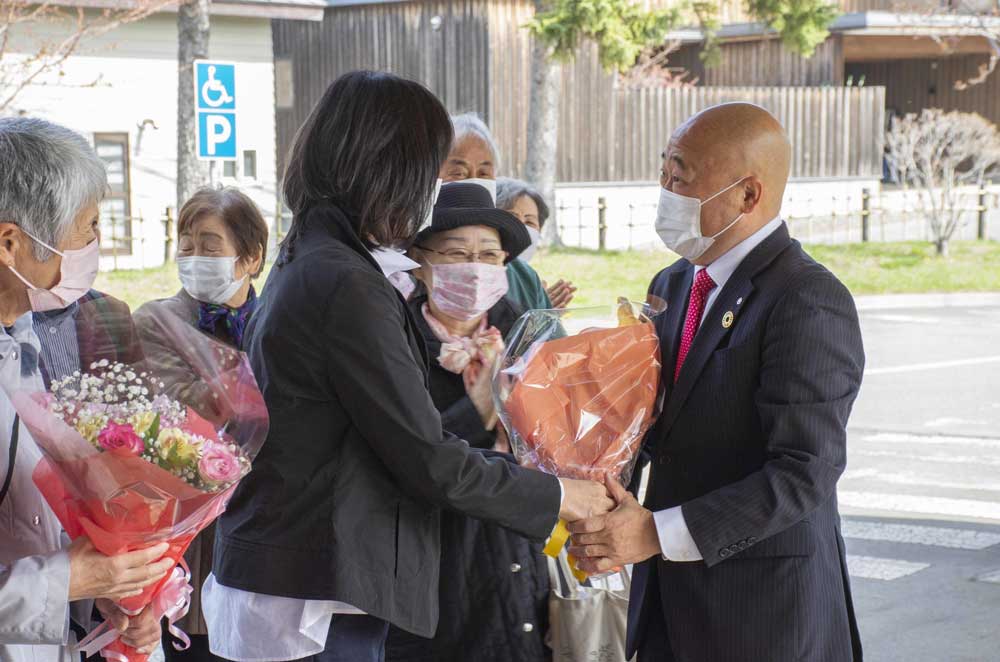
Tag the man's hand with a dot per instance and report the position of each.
(560, 294)
(112, 614)
(625, 535)
(94, 575)
(143, 632)
(583, 499)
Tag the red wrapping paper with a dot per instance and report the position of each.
(122, 502)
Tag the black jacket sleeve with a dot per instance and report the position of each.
(812, 360)
(382, 387)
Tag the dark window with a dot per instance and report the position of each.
(250, 164)
(229, 169)
(116, 209)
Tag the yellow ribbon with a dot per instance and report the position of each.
(557, 540)
(555, 544)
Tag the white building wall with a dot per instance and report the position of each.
(117, 81)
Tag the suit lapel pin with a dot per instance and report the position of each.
(739, 302)
(727, 319)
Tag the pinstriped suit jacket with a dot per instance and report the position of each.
(751, 444)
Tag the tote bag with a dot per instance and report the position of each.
(586, 623)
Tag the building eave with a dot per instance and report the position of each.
(300, 10)
(873, 23)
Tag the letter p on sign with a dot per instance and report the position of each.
(216, 136)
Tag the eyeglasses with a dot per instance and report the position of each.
(457, 255)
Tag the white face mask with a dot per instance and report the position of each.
(77, 273)
(678, 222)
(430, 210)
(210, 279)
(536, 239)
(488, 184)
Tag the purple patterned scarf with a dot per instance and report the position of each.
(234, 319)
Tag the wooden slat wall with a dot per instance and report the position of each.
(510, 79)
(765, 62)
(453, 61)
(835, 131)
(481, 58)
(912, 85)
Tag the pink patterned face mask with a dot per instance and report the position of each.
(466, 290)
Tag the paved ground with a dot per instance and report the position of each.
(921, 496)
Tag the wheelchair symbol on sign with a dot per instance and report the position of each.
(213, 92)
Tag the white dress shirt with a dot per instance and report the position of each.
(34, 564)
(255, 627)
(676, 542)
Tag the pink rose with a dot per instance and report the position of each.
(219, 465)
(120, 439)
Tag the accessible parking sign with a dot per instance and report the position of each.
(215, 92)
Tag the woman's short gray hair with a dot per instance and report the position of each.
(470, 124)
(509, 191)
(48, 174)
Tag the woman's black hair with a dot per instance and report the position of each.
(373, 146)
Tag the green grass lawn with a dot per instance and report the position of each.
(874, 268)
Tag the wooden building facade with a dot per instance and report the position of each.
(476, 56)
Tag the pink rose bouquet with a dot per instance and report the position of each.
(134, 456)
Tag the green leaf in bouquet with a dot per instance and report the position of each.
(153, 433)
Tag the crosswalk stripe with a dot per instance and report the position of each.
(920, 504)
(933, 439)
(991, 577)
(940, 458)
(937, 536)
(913, 479)
(905, 319)
(919, 367)
(872, 567)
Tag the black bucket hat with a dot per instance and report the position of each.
(460, 204)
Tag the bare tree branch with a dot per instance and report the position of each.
(70, 27)
(938, 153)
(652, 69)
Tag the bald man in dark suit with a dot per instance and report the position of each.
(737, 549)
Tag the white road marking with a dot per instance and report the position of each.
(903, 319)
(918, 480)
(951, 422)
(903, 438)
(921, 504)
(936, 536)
(872, 567)
(919, 367)
(991, 577)
(940, 458)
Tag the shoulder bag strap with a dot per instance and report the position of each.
(12, 456)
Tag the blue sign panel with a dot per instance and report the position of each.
(216, 135)
(215, 101)
(215, 85)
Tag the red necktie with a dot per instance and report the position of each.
(703, 285)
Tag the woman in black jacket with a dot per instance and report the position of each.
(494, 583)
(335, 532)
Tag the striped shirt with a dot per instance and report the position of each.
(56, 329)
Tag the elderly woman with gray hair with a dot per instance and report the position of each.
(475, 157)
(527, 204)
(51, 183)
